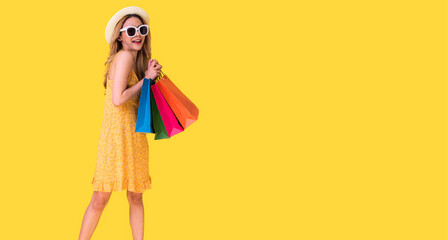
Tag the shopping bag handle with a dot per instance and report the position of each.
(161, 75)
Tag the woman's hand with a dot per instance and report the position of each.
(153, 70)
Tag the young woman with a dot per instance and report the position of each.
(123, 154)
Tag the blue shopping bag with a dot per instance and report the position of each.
(144, 118)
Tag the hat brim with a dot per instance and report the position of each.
(120, 14)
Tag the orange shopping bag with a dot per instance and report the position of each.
(185, 111)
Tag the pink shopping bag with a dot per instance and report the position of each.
(169, 120)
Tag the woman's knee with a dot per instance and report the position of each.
(100, 200)
(134, 197)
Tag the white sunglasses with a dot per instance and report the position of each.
(131, 31)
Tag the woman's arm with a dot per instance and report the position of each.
(130, 93)
(123, 66)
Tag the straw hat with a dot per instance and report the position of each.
(120, 14)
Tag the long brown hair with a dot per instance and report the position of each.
(143, 55)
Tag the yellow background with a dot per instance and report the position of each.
(318, 120)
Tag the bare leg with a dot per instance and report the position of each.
(136, 214)
(93, 213)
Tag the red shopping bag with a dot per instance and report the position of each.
(184, 109)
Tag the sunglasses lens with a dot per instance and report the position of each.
(131, 32)
(143, 30)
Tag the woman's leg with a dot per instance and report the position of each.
(136, 214)
(93, 213)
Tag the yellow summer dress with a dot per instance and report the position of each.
(122, 160)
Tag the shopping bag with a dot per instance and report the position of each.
(169, 120)
(144, 117)
(185, 110)
(160, 130)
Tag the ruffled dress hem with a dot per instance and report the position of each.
(119, 185)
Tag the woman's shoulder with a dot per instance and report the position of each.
(122, 59)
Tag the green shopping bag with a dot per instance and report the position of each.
(159, 127)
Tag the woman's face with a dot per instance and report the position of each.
(129, 42)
